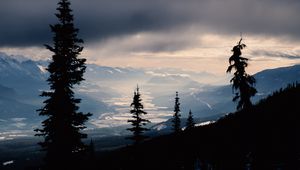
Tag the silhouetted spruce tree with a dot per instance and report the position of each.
(190, 121)
(242, 83)
(92, 150)
(176, 116)
(91, 155)
(137, 122)
(61, 130)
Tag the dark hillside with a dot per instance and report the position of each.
(263, 137)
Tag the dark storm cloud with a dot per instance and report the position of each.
(25, 23)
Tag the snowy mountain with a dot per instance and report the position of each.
(218, 100)
(272, 79)
(107, 92)
(214, 101)
(21, 83)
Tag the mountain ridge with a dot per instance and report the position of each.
(101, 86)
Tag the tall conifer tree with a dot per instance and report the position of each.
(176, 116)
(62, 128)
(137, 122)
(190, 121)
(242, 83)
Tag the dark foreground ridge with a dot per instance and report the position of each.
(265, 136)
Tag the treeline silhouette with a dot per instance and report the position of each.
(261, 136)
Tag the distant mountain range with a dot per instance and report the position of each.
(21, 83)
(213, 102)
(107, 91)
(218, 99)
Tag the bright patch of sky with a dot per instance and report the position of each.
(207, 53)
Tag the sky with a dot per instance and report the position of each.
(194, 35)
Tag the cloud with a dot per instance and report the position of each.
(157, 74)
(276, 54)
(149, 43)
(26, 23)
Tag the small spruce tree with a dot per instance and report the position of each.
(91, 150)
(190, 121)
(242, 83)
(91, 155)
(62, 129)
(138, 123)
(176, 116)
